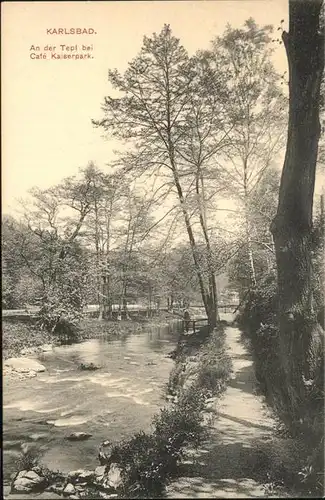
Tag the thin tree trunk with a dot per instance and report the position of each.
(99, 283)
(291, 228)
(150, 298)
(248, 230)
(171, 153)
(192, 243)
(104, 296)
(109, 311)
(213, 297)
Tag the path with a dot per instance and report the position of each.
(224, 466)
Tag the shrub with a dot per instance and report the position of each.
(149, 460)
(141, 464)
(28, 459)
(17, 335)
(176, 378)
(181, 423)
(212, 375)
(214, 366)
(58, 318)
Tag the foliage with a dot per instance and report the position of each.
(19, 335)
(19, 286)
(258, 319)
(149, 460)
(28, 459)
(176, 378)
(63, 301)
(44, 263)
(181, 424)
(262, 206)
(213, 371)
(317, 249)
(259, 323)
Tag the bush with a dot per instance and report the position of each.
(181, 423)
(214, 366)
(141, 464)
(176, 378)
(59, 319)
(17, 335)
(28, 459)
(212, 375)
(149, 460)
(258, 322)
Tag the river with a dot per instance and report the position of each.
(113, 402)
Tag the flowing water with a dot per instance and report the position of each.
(113, 402)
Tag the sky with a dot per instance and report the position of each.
(48, 103)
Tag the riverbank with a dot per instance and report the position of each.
(21, 338)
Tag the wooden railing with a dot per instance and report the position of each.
(195, 324)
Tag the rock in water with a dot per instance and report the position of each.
(46, 347)
(74, 474)
(78, 436)
(88, 366)
(28, 481)
(100, 470)
(37, 436)
(114, 478)
(86, 476)
(69, 489)
(24, 365)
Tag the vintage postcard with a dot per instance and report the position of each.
(162, 243)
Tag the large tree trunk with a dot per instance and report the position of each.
(291, 228)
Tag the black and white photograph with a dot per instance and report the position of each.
(163, 167)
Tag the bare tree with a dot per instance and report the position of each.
(256, 106)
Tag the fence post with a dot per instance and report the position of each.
(193, 326)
